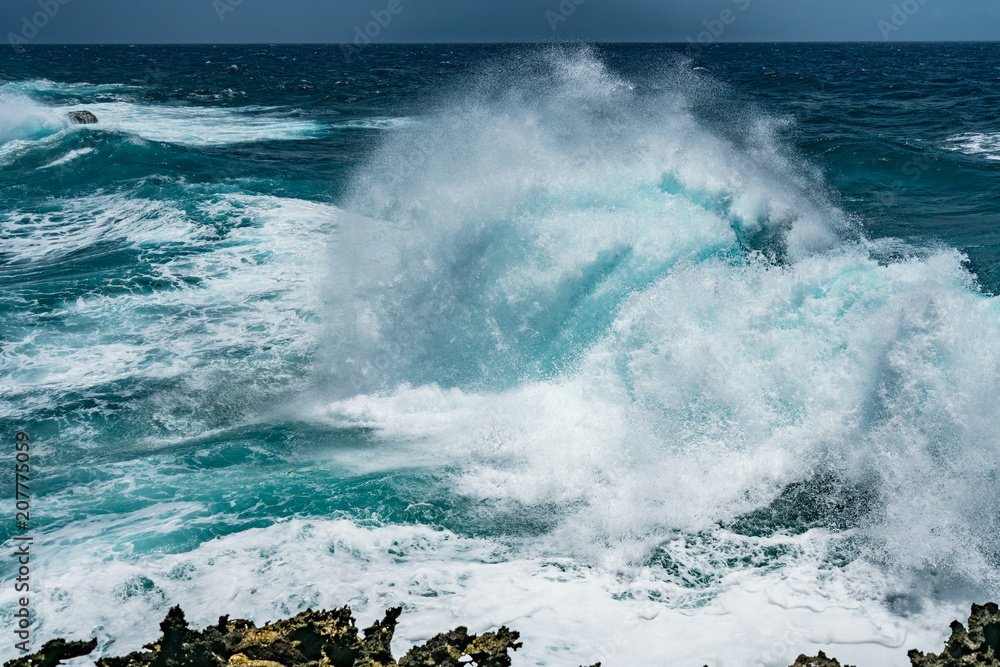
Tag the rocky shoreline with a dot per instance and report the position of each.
(331, 639)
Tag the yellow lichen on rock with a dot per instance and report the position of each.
(265, 635)
(819, 661)
(240, 660)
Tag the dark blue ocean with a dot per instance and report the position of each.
(657, 357)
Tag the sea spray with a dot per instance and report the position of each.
(602, 309)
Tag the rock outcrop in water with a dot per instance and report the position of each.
(979, 646)
(819, 661)
(331, 639)
(311, 639)
(82, 117)
(53, 653)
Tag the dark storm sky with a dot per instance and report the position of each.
(266, 21)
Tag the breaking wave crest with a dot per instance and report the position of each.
(608, 307)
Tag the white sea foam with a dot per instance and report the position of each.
(80, 223)
(34, 109)
(69, 157)
(257, 288)
(984, 145)
(568, 614)
(202, 126)
(69, 89)
(375, 123)
(717, 387)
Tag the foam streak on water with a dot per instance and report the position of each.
(979, 145)
(25, 118)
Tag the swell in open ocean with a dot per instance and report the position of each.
(589, 344)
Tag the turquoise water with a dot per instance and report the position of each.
(614, 340)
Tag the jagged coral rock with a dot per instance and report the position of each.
(331, 639)
(178, 647)
(452, 648)
(819, 661)
(53, 653)
(979, 646)
(310, 639)
(315, 638)
(375, 649)
(490, 649)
